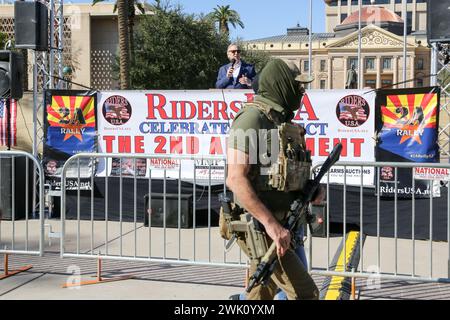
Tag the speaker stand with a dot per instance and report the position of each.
(99, 278)
(7, 273)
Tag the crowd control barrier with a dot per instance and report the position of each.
(399, 232)
(21, 204)
(145, 208)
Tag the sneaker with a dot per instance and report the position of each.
(234, 297)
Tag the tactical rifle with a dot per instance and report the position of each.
(297, 214)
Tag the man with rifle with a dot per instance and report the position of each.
(268, 169)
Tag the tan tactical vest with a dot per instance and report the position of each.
(292, 169)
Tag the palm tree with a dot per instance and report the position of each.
(224, 16)
(132, 6)
(124, 44)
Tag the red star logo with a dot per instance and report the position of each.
(413, 131)
(75, 131)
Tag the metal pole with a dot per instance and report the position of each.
(60, 44)
(433, 67)
(448, 231)
(405, 30)
(52, 44)
(310, 41)
(359, 45)
(35, 102)
(41, 208)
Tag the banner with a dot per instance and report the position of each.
(69, 128)
(407, 131)
(197, 123)
(345, 116)
(8, 122)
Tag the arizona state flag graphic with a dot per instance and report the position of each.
(71, 123)
(410, 126)
(70, 127)
(407, 131)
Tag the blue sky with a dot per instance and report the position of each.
(262, 18)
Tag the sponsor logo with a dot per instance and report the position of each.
(352, 111)
(116, 110)
(387, 173)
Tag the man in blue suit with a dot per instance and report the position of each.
(237, 74)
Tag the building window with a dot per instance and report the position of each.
(387, 63)
(371, 83)
(306, 66)
(343, 17)
(322, 84)
(419, 82)
(369, 2)
(344, 2)
(409, 20)
(420, 64)
(386, 82)
(408, 17)
(323, 65)
(370, 63)
(352, 61)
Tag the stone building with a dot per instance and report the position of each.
(333, 53)
(90, 41)
(338, 10)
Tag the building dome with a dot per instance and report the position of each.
(373, 14)
(380, 16)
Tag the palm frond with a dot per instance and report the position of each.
(94, 2)
(140, 7)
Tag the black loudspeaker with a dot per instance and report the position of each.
(157, 210)
(11, 74)
(31, 25)
(16, 191)
(438, 26)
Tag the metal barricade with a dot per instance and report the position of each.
(384, 257)
(108, 220)
(21, 204)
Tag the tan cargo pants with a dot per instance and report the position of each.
(290, 275)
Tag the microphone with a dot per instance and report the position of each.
(233, 62)
(230, 71)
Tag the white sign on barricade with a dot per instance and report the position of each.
(197, 123)
(437, 174)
